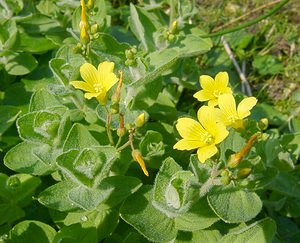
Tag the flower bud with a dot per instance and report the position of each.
(90, 4)
(140, 120)
(94, 28)
(244, 173)
(115, 98)
(84, 36)
(121, 131)
(77, 48)
(114, 108)
(129, 54)
(263, 124)
(171, 37)
(137, 156)
(233, 160)
(174, 27)
(225, 180)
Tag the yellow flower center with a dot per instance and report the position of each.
(232, 119)
(217, 93)
(206, 138)
(98, 88)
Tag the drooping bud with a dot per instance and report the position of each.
(225, 180)
(263, 124)
(244, 173)
(140, 120)
(137, 156)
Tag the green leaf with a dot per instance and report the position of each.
(8, 33)
(79, 138)
(174, 189)
(10, 213)
(146, 219)
(32, 231)
(234, 205)
(39, 127)
(55, 196)
(286, 184)
(8, 115)
(31, 159)
(33, 44)
(260, 231)
(267, 65)
(116, 188)
(137, 21)
(20, 63)
(199, 216)
(104, 219)
(192, 44)
(18, 188)
(42, 100)
(89, 166)
(198, 236)
(76, 233)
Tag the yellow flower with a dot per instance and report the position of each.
(213, 88)
(204, 135)
(97, 82)
(231, 115)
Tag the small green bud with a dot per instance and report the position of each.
(263, 124)
(128, 126)
(114, 108)
(225, 180)
(171, 37)
(77, 48)
(90, 4)
(129, 62)
(121, 131)
(96, 36)
(244, 173)
(129, 54)
(94, 28)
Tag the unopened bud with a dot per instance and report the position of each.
(121, 131)
(129, 54)
(137, 156)
(77, 48)
(225, 180)
(174, 27)
(140, 120)
(128, 126)
(129, 62)
(233, 160)
(114, 108)
(171, 37)
(263, 124)
(94, 28)
(244, 173)
(84, 36)
(90, 4)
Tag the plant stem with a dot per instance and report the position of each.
(107, 125)
(247, 24)
(246, 14)
(125, 145)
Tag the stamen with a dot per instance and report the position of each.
(98, 88)
(207, 138)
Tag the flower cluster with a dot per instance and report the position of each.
(212, 124)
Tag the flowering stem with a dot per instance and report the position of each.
(123, 146)
(107, 125)
(129, 142)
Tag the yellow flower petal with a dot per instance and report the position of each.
(89, 74)
(245, 106)
(203, 95)
(90, 95)
(227, 106)
(207, 117)
(220, 133)
(222, 80)
(106, 75)
(207, 82)
(189, 128)
(184, 144)
(206, 152)
(213, 102)
(82, 85)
